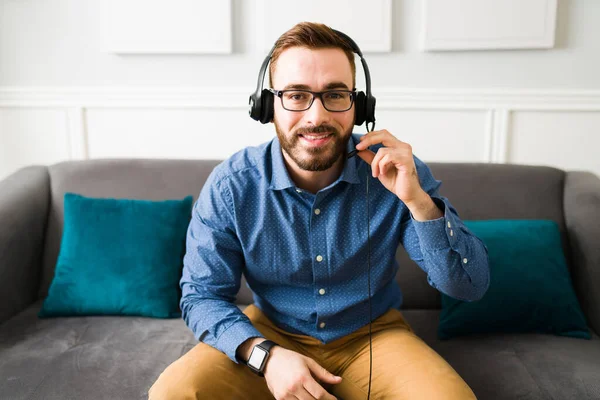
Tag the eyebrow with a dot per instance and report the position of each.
(330, 85)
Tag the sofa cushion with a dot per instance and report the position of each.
(99, 357)
(118, 178)
(119, 257)
(106, 357)
(530, 287)
(517, 365)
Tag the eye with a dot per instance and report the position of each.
(296, 96)
(336, 96)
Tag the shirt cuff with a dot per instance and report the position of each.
(437, 234)
(234, 336)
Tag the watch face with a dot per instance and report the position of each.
(257, 357)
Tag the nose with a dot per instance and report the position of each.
(317, 114)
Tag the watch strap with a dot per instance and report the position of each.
(267, 345)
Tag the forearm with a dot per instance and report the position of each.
(434, 236)
(424, 209)
(462, 273)
(454, 259)
(216, 322)
(211, 276)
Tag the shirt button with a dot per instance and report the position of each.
(322, 325)
(451, 232)
(465, 260)
(319, 258)
(449, 226)
(317, 211)
(322, 291)
(298, 190)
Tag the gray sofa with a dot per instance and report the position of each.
(110, 357)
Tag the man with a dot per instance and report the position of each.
(290, 215)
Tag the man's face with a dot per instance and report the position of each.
(315, 70)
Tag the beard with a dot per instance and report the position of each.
(314, 158)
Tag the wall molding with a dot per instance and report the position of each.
(77, 133)
(487, 25)
(497, 104)
(237, 98)
(275, 17)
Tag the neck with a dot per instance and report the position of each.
(312, 181)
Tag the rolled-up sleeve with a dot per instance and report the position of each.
(212, 270)
(455, 260)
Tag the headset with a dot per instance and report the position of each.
(261, 108)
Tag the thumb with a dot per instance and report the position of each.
(367, 155)
(322, 374)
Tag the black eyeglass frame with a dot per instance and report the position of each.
(279, 93)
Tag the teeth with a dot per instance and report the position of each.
(316, 137)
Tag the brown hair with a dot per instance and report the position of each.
(313, 36)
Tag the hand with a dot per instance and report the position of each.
(393, 165)
(291, 375)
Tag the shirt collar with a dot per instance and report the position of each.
(280, 178)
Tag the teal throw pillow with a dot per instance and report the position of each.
(530, 287)
(119, 257)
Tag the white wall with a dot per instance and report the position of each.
(64, 96)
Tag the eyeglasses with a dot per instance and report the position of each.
(302, 100)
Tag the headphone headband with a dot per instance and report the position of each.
(356, 49)
(261, 101)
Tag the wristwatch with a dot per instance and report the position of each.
(258, 357)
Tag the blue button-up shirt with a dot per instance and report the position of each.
(304, 255)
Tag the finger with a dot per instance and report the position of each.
(321, 373)
(303, 394)
(366, 155)
(300, 393)
(317, 391)
(384, 164)
(376, 161)
(383, 136)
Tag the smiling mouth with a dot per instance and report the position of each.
(316, 137)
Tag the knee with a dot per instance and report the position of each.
(166, 387)
(204, 373)
(177, 381)
(193, 376)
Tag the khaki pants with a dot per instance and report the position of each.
(404, 367)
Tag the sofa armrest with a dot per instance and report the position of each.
(582, 218)
(24, 199)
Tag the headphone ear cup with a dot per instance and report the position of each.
(267, 112)
(370, 109)
(254, 107)
(360, 108)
